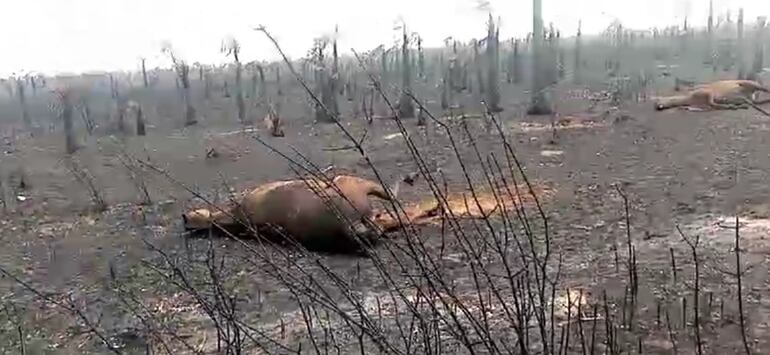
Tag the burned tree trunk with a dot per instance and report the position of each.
(561, 57)
(85, 114)
(66, 116)
(405, 104)
(33, 84)
(328, 98)
(578, 76)
(232, 47)
(335, 57)
(420, 59)
(279, 89)
(120, 113)
(539, 104)
(444, 93)
(384, 66)
(262, 86)
(342, 82)
(189, 113)
(118, 102)
(395, 66)
(23, 103)
(445, 83)
(464, 80)
(330, 94)
(334, 81)
(684, 37)
(553, 56)
(69, 132)
(354, 85)
(517, 66)
(253, 87)
(421, 115)
(335, 64)
(477, 68)
(141, 130)
(306, 73)
(615, 70)
(759, 47)
(324, 87)
(493, 65)
(509, 65)
(206, 83)
(740, 47)
(140, 126)
(183, 76)
(710, 49)
(239, 103)
(144, 74)
(349, 93)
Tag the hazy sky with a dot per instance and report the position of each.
(80, 35)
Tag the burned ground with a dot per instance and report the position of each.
(131, 274)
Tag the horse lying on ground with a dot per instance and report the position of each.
(723, 94)
(320, 216)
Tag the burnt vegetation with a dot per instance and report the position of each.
(96, 260)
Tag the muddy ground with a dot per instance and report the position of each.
(677, 168)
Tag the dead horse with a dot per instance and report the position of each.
(310, 211)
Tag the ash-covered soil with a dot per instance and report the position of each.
(693, 170)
